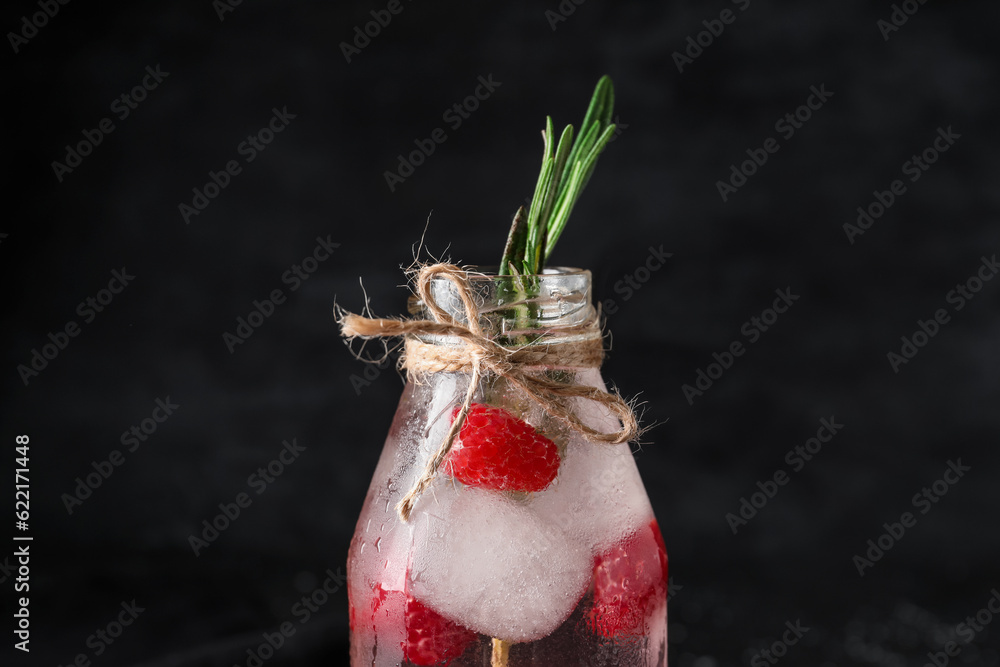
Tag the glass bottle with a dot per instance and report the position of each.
(532, 544)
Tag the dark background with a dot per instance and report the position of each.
(655, 185)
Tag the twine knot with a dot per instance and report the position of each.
(480, 354)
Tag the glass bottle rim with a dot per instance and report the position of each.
(489, 272)
(563, 301)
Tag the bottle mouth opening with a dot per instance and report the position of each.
(490, 272)
(556, 299)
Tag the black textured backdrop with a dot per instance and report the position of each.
(223, 74)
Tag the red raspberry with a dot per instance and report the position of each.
(431, 639)
(628, 580)
(496, 450)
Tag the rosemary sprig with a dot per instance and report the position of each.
(564, 175)
(513, 252)
(566, 169)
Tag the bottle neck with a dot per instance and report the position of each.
(552, 307)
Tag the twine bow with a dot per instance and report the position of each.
(483, 355)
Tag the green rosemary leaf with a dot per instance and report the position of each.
(595, 152)
(601, 106)
(608, 106)
(565, 207)
(599, 143)
(534, 211)
(513, 252)
(562, 151)
(532, 252)
(578, 181)
(566, 170)
(582, 147)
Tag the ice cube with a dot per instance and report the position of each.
(598, 497)
(488, 562)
